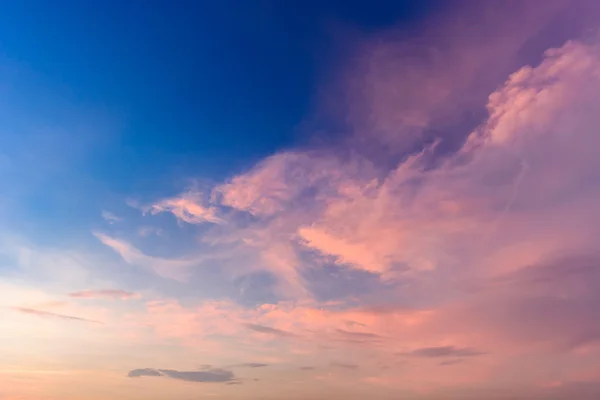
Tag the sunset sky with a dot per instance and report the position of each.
(300, 200)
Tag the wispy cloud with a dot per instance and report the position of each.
(177, 269)
(214, 375)
(188, 208)
(344, 365)
(251, 365)
(269, 330)
(451, 362)
(444, 351)
(104, 294)
(358, 335)
(110, 217)
(51, 315)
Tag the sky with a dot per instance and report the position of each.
(295, 200)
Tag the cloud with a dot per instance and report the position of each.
(444, 351)
(177, 269)
(451, 362)
(104, 294)
(110, 217)
(483, 236)
(188, 208)
(51, 315)
(214, 375)
(345, 365)
(143, 372)
(252, 365)
(358, 335)
(307, 368)
(269, 330)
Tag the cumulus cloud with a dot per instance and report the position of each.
(214, 375)
(104, 294)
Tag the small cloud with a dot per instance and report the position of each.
(213, 375)
(357, 335)
(443, 351)
(234, 383)
(307, 368)
(110, 217)
(345, 366)
(252, 365)
(133, 203)
(47, 314)
(353, 324)
(451, 362)
(104, 294)
(188, 208)
(150, 230)
(267, 329)
(136, 373)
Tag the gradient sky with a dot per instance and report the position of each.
(292, 200)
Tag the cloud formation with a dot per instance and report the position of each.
(110, 217)
(187, 208)
(104, 294)
(252, 365)
(51, 315)
(453, 222)
(269, 330)
(213, 375)
(344, 365)
(444, 351)
(493, 233)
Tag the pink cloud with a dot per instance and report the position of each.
(490, 249)
(187, 208)
(104, 294)
(51, 315)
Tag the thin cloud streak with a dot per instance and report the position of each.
(269, 330)
(51, 315)
(214, 375)
(104, 294)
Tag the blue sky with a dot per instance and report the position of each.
(238, 199)
(133, 92)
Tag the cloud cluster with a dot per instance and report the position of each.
(499, 234)
(430, 214)
(437, 240)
